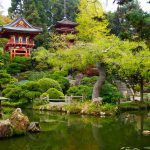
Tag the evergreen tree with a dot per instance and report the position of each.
(43, 13)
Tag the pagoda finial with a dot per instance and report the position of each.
(65, 10)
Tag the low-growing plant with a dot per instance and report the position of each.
(110, 93)
(46, 83)
(53, 93)
(81, 90)
(64, 83)
(39, 102)
(19, 64)
(89, 81)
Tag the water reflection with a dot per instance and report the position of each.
(65, 132)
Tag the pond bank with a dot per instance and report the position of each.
(134, 106)
(86, 108)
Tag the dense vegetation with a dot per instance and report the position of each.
(120, 53)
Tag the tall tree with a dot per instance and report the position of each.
(43, 13)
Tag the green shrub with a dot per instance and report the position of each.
(64, 83)
(31, 86)
(26, 92)
(19, 64)
(39, 102)
(3, 42)
(6, 79)
(80, 90)
(47, 83)
(108, 107)
(14, 93)
(110, 93)
(31, 95)
(60, 73)
(53, 93)
(89, 81)
(148, 88)
(35, 76)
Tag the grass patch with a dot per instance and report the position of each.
(134, 105)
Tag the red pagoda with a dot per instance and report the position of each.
(66, 27)
(20, 34)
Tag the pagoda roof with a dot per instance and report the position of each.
(66, 22)
(20, 25)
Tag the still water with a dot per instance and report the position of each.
(73, 132)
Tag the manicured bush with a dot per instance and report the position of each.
(35, 76)
(19, 64)
(53, 93)
(64, 83)
(6, 79)
(25, 92)
(46, 83)
(14, 93)
(31, 90)
(31, 86)
(60, 73)
(110, 93)
(89, 81)
(80, 90)
(31, 95)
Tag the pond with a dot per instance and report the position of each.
(73, 132)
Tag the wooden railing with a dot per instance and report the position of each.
(11, 42)
(66, 99)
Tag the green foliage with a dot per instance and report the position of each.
(89, 81)
(91, 18)
(19, 64)
(148, 88)
(54, 93)
(109, 107)
(46, 83)
(110, 93)
(35, 76)
(57, 41)
(73, 108)
(31, 86)
(4, 59)
(80, 90)
(31, 90)
(41, 57)
(6, 79)
(130, 22)
(39, 102)
(3, 42)
(43, 14)
(14, 93)
(24, 92)
(57, 76)
(64, 83)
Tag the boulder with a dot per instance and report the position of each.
(19, 122)
(34, 127)
(6, 129)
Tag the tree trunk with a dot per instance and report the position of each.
(141, 89)
(100, 81)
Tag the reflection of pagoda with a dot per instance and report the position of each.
(21, 34)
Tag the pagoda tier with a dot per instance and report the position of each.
(20, 34)
(66, 27)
